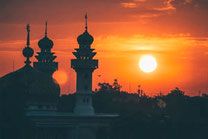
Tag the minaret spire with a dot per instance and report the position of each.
(28, 35)
(45, 57)
(86, 27)
(28, 51)
(46, 28)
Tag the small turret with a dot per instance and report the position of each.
(46, 58)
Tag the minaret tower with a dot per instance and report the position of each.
(46, 57)
(84, 65)
(28, 51)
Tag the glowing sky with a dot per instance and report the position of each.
(175, 32)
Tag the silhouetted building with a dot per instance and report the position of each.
(45, 57)
(41, 93)
(40, 89)
(84, 65)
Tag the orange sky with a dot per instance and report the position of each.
(175, 32)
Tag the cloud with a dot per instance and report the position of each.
(64, 11)
(129, 4)
(199, 4)
(169, 16)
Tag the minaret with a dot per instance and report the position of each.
(46, 57)
(28, 51)
(84, 65)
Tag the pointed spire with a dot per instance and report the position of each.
(46, 26)
(28, 35)
(28, 51)
(86, 22)
(85, 38)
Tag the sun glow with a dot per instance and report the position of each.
(147, 63)
(60, 76)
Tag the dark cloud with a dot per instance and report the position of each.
(187, 16)
(65, 11)
(173, 16)
(199, 4)
(58, 11)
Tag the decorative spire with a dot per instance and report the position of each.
(45, 43)
(28, 35)
(28, 51)
(46, 26)
(45, 57)
(86, 22)
(85, 39)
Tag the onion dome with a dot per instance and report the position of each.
(28, 52)
(85, 38)
(45, 43)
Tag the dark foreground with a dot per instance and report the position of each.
(172, 116)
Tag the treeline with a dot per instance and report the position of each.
(170, 116)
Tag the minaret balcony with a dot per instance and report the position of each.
(43, 66)
(84, 63)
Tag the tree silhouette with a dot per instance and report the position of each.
(116, 86)
(170, 116)
(176, 92)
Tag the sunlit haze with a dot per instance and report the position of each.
(174, 32)
(60, 76)
(147, 63)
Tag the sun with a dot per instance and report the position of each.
(147, 63)
(60, 76)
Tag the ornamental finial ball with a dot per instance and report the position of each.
(28, 52)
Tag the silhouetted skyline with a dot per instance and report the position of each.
(174, 32)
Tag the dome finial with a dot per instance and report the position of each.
(86, 22)
(46, 26)
(28, 35)
(28, 51)
(45, 43)
(85, 38)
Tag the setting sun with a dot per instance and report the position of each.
(147, 63)
(60, 76)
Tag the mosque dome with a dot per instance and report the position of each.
(45, 43)
(85, 38)
(35, 85)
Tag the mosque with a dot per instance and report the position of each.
(41, 92)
